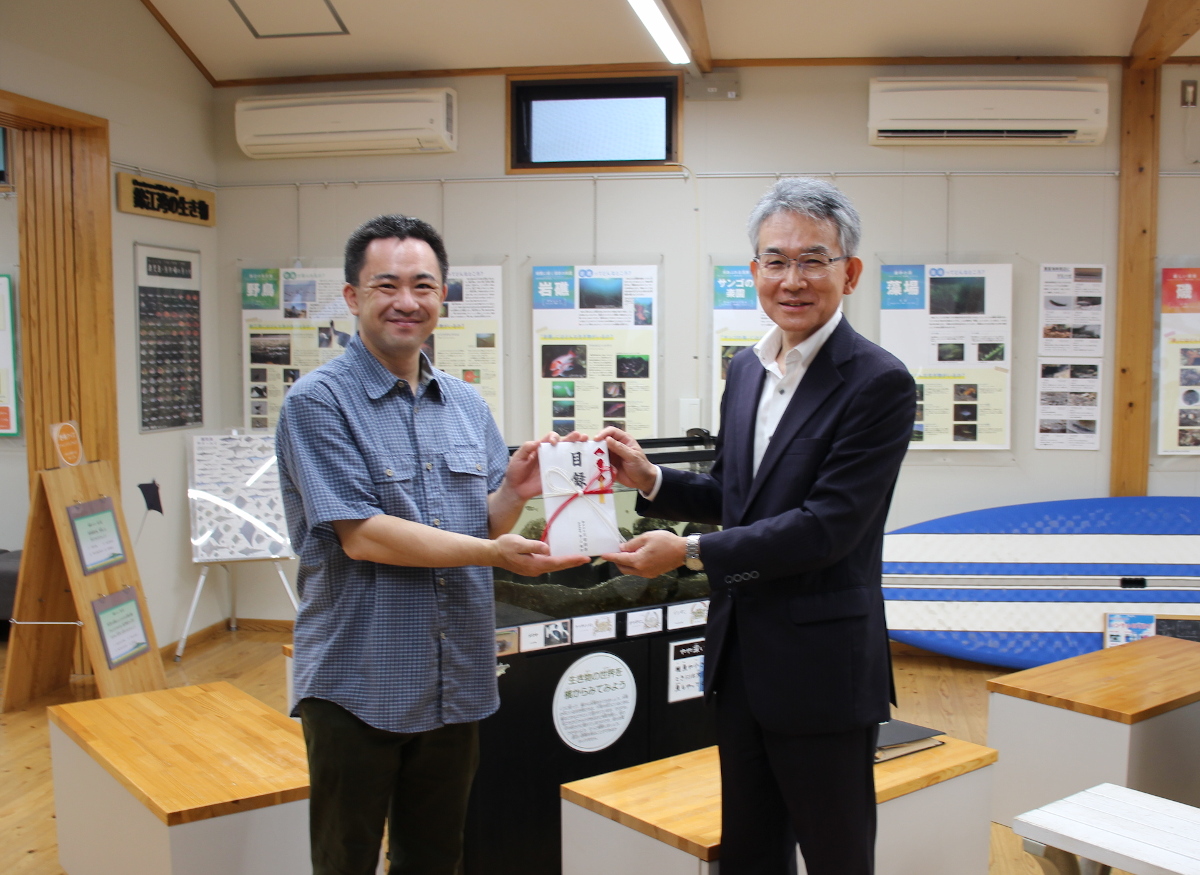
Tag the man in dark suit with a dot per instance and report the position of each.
(815, 421)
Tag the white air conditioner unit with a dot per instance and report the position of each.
(348, 123)
(988, 110)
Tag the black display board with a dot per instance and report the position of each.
(514, 825)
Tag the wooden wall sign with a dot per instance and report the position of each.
(144, 196)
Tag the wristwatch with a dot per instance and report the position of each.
(691, 555)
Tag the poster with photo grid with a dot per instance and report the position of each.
(168, 295)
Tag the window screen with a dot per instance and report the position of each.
(602, 123)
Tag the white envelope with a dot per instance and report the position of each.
(581, 510)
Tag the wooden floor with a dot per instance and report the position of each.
(934, 691)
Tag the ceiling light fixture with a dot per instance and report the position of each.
(659, 23)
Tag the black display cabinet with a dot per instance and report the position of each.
(513, 826)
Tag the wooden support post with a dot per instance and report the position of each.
(1136, 249)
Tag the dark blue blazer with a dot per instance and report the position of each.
(797, 566)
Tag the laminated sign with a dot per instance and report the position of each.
(577, 485)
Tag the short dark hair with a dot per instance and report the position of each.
(385, 228)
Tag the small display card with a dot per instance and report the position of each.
(121, 628)
(581, 513)
(97, 537)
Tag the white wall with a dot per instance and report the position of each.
(1040, 203)
(110, 58)
(789, 120)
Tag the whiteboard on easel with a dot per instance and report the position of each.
(236, 506)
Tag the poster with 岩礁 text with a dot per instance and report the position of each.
(1068, 405)
(951, 324)
(738, 322)
(1072, 310)
(168, 288)
(1179, 362)
(595, 348)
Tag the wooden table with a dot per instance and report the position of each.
(1128, 715)
(188, 781)
(664, 817)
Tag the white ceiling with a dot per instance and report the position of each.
(396, 35)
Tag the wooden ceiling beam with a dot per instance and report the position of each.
(689, 18)
(1166, 26)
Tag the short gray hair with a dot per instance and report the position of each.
(814, 198)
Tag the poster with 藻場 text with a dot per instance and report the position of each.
(595, 348)
(951, 324)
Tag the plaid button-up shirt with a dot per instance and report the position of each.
(404, 649)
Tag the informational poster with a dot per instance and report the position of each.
(738, 322)
(10, 415)
(951, 324)
(1124, 628)
(97, 536)
(466, 343)
(685, 673)
(1069, 394)
(595, 348)
(1179, 362)
(1072, 310)
(294, 320)
(235, 500)
(594, 702)
(168, 286)
(121, 628)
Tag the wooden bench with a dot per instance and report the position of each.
(664, 817)
(1113, 827)
(1129, 715)
(188, 781)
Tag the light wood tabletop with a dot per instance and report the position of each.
(1128, 684)
(677, 800)
(192, 753)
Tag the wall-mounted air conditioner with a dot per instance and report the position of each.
(348, 123)
(988, 110)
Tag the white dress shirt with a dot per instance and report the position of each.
(778, 387)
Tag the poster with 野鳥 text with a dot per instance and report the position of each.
(951, 325)
(1072, 310)
(595, 347)
(1069, 392)
(466, 342)
(738, 322)
(1179, 362)
(293, 321)
(296, 319)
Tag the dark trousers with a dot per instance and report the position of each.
(777, 790)
(361, 776)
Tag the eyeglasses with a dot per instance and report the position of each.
(774, 266)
